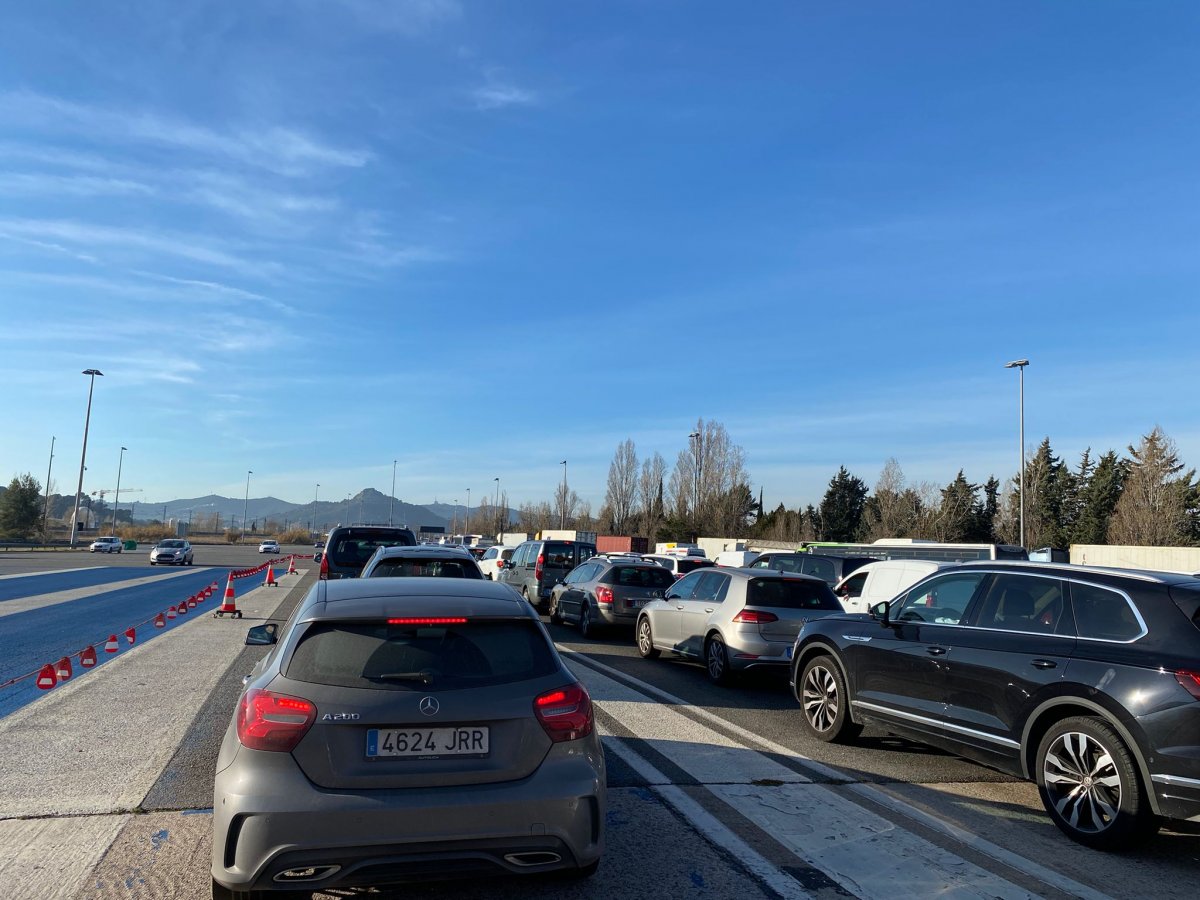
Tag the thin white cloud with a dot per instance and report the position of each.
(498, 95)
(282, 150)
(41, 184)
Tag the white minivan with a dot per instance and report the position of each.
(878, 581)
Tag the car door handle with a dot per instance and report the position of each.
(935, 651)
(708, 609)
(679, 606)
(1044, 664)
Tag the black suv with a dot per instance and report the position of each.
(830, 569)
(348, 547)
(1084, 680)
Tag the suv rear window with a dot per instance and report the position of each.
(687, 565)
(425, 567)
(421, 658)
(353, 550)
(782, 593)
(640, 576)
(562, 555)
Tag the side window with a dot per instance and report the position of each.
(711, 587)
(1103, 614)
(941, 600)
(760, 564)
(490, 553)
(822, 568)
(853, 586)
(522, 555)
(685, 586)
(1022, 603)
(787, 563)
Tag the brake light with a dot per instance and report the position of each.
(324, 576)
(537, 569)
(269, 721)
(428, 620)
(1190, 681)
(604, 595)
(755, 617)
(565, 713)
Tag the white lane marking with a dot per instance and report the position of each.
(1048, 876)
(41, 601)
(707, 824)
(51, 858)
(48, 572)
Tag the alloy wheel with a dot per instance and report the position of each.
(1082, 781)
(820, 698)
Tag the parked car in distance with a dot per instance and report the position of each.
(422, 562)
(733, 619)
(736, 558)
(678, 564)
(106, 545)
(607, 591)
(882, 580)
(449, 724)
(348, 547)
(1083, 680)
(269, 546)
(172, 552)
(537, 566)
(490, 562)
(830, 569)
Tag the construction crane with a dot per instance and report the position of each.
(100, 493)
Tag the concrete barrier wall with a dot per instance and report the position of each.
(1158, 559)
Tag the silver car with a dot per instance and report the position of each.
(733, 619)
(172, 552)
(607, 591)
(402, 728)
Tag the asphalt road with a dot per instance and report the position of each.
(714, 791)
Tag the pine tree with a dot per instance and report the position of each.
(1158, 505)
(842, 507)
(1098, 498)
(21, 508)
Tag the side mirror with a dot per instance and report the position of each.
(260, 635)
(881, 611)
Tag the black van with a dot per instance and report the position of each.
(830, 569)
(350, 546)
(537, 566)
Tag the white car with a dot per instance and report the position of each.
(268, 547)
(106, 545)
(489, 563)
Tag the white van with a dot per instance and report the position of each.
(878, 581)
(736, 558)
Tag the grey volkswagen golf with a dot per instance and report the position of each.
(402, 729)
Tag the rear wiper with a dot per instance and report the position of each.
(423, 677)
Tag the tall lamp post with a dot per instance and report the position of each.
(562, 513)
(87, 421)
(392, 498)
(499, 526)
(316, 491)
(1019, 365)
(46, 509)
(117, 497)
(245, 507)
(695, 438)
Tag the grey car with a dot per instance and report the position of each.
(422, 562)
(172, 552)
(607, 591)
(404, 728)
(539, 565)
(734, 619)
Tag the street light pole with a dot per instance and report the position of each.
(499, 527)
(245, 507)
(316, 491)
(695, 438)
(46, 510)
(83, 456)
(392, 498)
(562, 517)
(1019, 365)
(117, 497)
(467, 514)
(454, 520)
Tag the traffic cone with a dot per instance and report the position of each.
(170, 612)
(63, 669)
(130, 634)
(159, 621)
(87, 657)
(192, 602)
(229, 605)
(46, 678)
(111, 645)
(183, 607)
(291, 565)
(270, 582)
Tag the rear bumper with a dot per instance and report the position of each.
(268, 818)
(1178, 797)
(752, 652)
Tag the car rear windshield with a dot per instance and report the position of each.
(686, 565)
(788, 593)
(387, 657)
(425, 567)
(561, 555)
(354, 550)
(639, 576)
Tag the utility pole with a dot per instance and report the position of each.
(83, 456)
(499, 526)
(46, 511)
(467, 514)
(562, 516)
(392, 498)
(117, 497)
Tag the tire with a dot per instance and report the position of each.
(555, 612)
(586, 627)
(152, 562)
(716, 661)
(645, 640)
(1083, 754)
(825, 702)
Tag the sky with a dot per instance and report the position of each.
(308, 238)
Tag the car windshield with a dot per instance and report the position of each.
(407, 658)
(430, 567)
(170, 545)
(789, 593)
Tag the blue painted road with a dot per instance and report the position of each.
(29, 640)
(72, 579)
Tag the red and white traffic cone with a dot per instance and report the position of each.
(160, 621)
(192, 602)
(87, 657)
(183, 607)
(111, 645)
(130, 634)
(46, 678)
(270, 582)
(63, 669)
(229, 605)
(291, 565)
(170, 612)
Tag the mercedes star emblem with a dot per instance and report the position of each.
(429, 706)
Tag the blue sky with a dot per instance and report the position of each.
(308, 237)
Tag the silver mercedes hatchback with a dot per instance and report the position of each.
(733, 619)
(403, 729)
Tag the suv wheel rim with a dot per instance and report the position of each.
(1082, 781)
(716, 659)
(644, 642)
(820, 698)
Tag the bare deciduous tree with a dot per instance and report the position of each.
(621, 498)
(650, 492)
